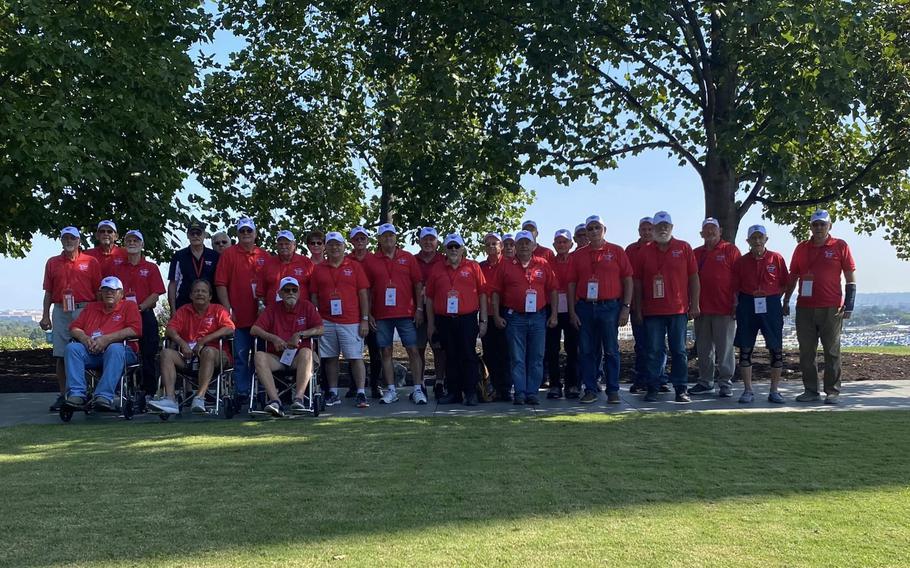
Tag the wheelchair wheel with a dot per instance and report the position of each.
(66, 413)
(128, 409)
(164, 416)
(316, 403)
(227, 407)
(321, 399)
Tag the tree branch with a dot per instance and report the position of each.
(608, 154)
(753, 195)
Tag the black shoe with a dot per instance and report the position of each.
(449, 399)
(635, 389)
(470, 400)
(519, 400)
(664, 388)
(439, 390)
(652, 396)
(58, 404)
(241, 403)
(101, 404)
(532, 401)
(503, 397)
(554, 394)
(352, 392)
(701, 389)
(682, 396)
(613, 398)
(572, 393)
(376, 391)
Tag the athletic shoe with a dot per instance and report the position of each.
(418, 396)
(332, 399)
(198, 406)
(747, 397)
(299, 406)
(701, 389)
(725, 392)
(376, 391)
(450, 398)
(165, 405)
(808, 397)
(75, 401)
(361, 400)
(555, 393)
(351, 393)
(588, 397)
(664, 388)
(613, 398)
(572, 393)
(389, 397)
(635, 389)
(652, 396)
(58, 404)
(439, 390)
(470, 399)
(274, 408)
(519, 399)
(775, 397)
(682, 396)
(102, 404)
(532, 400)
(832, 399)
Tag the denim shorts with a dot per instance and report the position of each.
(748, 323)
(385, 332)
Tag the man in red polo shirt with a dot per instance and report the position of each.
(666, 295)
(71, 280)
(495, 344)
(539, 250)
(821, 307)
(562, 264)
(396, 281)
(581, 236)
(640, 382)
(194, 331)
(142, 285)
(240, 286)
(600, 285)
(360, 240)
(456, 294)
(287, 327)
(106, 251)
(286, 263)
(99, 332)
(427, 258)
(340, 290)
(716, 326)
(525, 286)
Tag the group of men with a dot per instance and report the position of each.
(525, 302)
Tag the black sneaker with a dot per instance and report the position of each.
(74, 401)
(351, 393)
(555, 393)
(532, 400)
(682, 396)
(58, 404)
(652, 396)
(439, 390)
(470, 399)
(664, 388)
(102, 404)
(376, 392)
(449, 399)
(613, 398)
(701, 389)
(588, 397)
(635, 389)
(572, 393)
(361, 400)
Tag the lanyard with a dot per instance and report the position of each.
(529, 276)
(197, 266)
(333, 272)
(596, 256)
(454, 274)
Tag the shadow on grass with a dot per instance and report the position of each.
(105, 493)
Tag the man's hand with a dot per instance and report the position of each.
(499, 321)
(373, 325)
(364, 329)
(45, 323)
(280, 344)
(552, 321)
(482, 329)
(418, 318)
(576, 321)
(694, 312)
(623, 316)
(186, 350)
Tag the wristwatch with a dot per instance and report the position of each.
(627, 306)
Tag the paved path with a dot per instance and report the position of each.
(880, 395)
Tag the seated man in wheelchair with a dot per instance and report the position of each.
(287, 327)
(98, 342)
(194, 333)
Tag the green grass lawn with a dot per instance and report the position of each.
(879, 349)
(689, 490)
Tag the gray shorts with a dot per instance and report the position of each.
(341, 339)
(60, 326)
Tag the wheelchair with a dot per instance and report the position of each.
(285, 383)
(219, 396)
(126, 393)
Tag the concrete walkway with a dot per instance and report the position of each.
(880, 395)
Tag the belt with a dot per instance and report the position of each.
(600, 302)
(77, 304)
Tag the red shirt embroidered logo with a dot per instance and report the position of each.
(116, 317)
(209, 321)
(676, 253)
(301, 321)
(772, 269)
(83, 266)
(348, 272)
(144, 272)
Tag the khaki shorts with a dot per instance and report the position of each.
(60, 326)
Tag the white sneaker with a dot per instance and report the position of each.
(165, 405)
(198, 406)
(418, 396)
(389, 397)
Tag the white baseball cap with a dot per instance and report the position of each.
(525, 235)
(334, 236)
(820, 215)
(648, 220)
(111, 282)
(386, 228)
(71, 231)
(662, 217)
(288, 280)
(358, 230)
(285, 234)
(756, 229)
(246, 222)
(428, 232)
(107, 223)
(530, 222)
(580, 227)
(593, 219)
(454, 238)
(508, 237)
(564, 233)
(496, 236)
(134, 233)
(711, 221)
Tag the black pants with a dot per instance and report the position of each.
(496, 358)
(458, 335)
(148, 347)
(375, 378)
(565, 329)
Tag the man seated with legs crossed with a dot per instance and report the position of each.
(194, 332)
(287, 327)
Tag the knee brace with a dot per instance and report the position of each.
(777, 358)
(745, 357)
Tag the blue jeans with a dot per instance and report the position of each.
(526, 334)
(599, 332)
(243, 375)
(112, 363)
(673, 328)
(641, 357)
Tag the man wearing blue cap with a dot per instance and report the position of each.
(495, 343)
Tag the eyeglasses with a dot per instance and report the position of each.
(594, 228)
(106, 231)
(316, 243)
(245, 230)
(453, 246)
(222, 242)
(287, 290)
(194, 232)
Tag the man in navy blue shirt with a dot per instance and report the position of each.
(190, 264)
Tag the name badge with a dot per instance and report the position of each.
(277, 297)
(335, 306)
(761, 305)
(562, 303)
(452, 303)
(593, 290)
(253, 288)
(192, 345)
(287, 357)
(531, 301)
(391, 297)
(96, 334)
(658, 289)
(805, 289)
(69, 301)
(131, 299)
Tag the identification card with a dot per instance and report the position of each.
(253, 287)
(562, 303)
(761, 305)
(96, 334)
(335, 306)
(277, 297)
(806, 289)
(391, 297)
(531, 302)
(287, 357)
(131, 298)
(658, 291)
(192, 345)
(593, 289)
(452, 303)
(69, 301)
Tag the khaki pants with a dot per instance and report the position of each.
(812, 325)
(714, 345)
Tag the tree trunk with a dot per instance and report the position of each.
(719, 182)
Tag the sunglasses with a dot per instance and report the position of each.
(194, 233)
(106, 231)
(316, 243)
(287, 290)
(453, 246)
(245, 230)
(222, 242)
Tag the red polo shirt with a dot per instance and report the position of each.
(513, 281)
(466, 280)
(140, 280)
(108, 261)
(190, 325)
(344, 283)
(632, 251)
(82, 275)
(562, 268)
(715, 272)
(400, 272)
(607, 264)
(765, 276)
(489, 273)
(238, 269)
(426, 267)
(300, 267)
(93, 319)
(823, 265)
(544, 253)
(675, 264)
(353, 257)
(277, 320)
